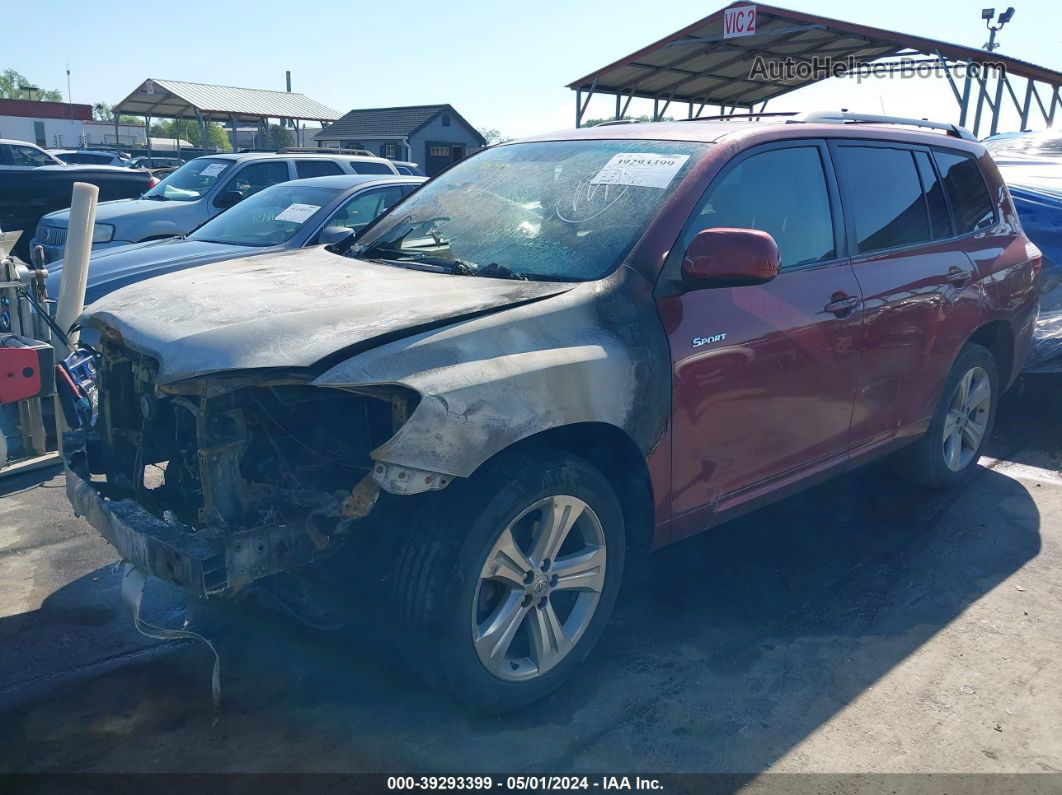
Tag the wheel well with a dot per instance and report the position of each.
(999, 339)
(618, 458)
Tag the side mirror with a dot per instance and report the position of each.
(228, 199)
(725, 257)
(331, 235)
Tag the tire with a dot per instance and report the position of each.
(933, 461)
(448, 615)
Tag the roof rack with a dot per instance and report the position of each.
(323, 150)
(840, 117)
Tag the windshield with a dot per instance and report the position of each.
(191, 181)
(268, 218)
(556, 210)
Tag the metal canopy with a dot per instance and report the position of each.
(698, 66)
(204, 102)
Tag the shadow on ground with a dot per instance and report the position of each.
(732, 648)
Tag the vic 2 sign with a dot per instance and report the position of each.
(739, 21)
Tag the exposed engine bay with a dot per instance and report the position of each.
(267, 470)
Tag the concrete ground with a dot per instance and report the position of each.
(864, 626)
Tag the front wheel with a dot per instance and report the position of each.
(506, 581)
(961, 425)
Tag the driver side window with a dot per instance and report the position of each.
(363, 208)
(28, 156)
(257, 176)
(781, 192)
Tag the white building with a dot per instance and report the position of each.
(47, 124)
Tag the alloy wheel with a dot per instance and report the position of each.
(967, 418)
(539, 588)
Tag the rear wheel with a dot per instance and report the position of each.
(961, 425)
(508, 579)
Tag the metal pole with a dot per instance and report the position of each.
(982, 90)
(998, 106)
(1025, 105)
(964, 104)
(578, 108)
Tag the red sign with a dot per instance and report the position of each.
(739, 21)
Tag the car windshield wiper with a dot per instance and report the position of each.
(458, 267)
(157, 197)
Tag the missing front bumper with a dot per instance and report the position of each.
(208, 563)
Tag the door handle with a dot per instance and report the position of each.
(841, 304)
(958, 276)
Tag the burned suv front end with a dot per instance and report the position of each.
(215, 482)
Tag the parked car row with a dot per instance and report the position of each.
(560, 353)
(196, 192)
(34, 183)
(290, 215)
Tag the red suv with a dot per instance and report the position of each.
(561, 352)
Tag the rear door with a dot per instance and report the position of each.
(916, 280)
(764, 376)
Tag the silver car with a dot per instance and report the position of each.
(195, 193)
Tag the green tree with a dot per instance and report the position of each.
(186, 129)
(278, 137)
(595, 122)
(101, 111)
(492, 136)
(11, 80)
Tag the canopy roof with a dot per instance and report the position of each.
(696, 64)
(173, 98)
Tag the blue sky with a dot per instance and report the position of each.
(501, 65)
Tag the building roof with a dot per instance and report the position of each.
(389, 123)
(696, 64)
(173, 98)
(34, 109)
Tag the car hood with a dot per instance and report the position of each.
(110, 268)
(112, 211)
(291, 309)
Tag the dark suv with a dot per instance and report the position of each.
(561, 352)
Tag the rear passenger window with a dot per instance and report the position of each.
(781, 192)
(939, 222)
(885, 197)
(368, 167)
(316, 168)
(970, 202)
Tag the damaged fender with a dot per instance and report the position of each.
(486, 383)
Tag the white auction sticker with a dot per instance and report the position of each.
(297, 213)
(641, 169)
(212, 170)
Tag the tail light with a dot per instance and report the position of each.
(1034, 255)
(154, 181)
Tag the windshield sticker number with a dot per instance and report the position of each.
(212, 170)
(297, 213)
(640, 169)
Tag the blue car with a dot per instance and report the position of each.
(290, 215)
(1031, 165)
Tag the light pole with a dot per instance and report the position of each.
(986, 14)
